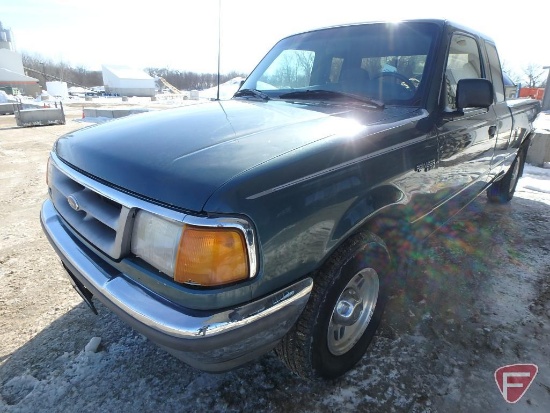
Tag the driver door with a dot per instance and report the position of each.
(465, 143)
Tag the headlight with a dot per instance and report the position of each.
(155, 240)
(206, 256)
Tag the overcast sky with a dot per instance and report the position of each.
(183, 34)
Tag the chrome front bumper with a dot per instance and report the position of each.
(210, 341)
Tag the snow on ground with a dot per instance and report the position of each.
(542, 123)
(5, 98)
(476, 298)
(534, 183)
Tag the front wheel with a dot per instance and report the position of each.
(343, 312)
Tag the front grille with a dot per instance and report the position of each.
(102, 221)
(104, 216)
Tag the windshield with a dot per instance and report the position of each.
(382, 62)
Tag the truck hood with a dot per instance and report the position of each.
(179, 157)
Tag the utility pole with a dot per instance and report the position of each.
(546, 98)
(44, 73)
(219, 46)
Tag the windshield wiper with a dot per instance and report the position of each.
(330, 95)
(251, 93)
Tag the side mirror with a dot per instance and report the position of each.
(474, 93)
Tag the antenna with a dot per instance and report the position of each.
(219, 45)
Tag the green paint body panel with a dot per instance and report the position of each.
(307, 173)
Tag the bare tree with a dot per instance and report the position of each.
(291, 69)
(185, 80)
(45, 70)
(511, 73)
(533, 73)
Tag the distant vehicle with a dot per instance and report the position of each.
(226, 229)
(510, 88)
(11, 90)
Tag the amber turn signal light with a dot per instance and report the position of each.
(211, 256)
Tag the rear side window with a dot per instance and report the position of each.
(496, 72)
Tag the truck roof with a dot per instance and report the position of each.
(442, 23)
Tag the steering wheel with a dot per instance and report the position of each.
(399, 78)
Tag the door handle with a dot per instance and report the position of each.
(492, 131)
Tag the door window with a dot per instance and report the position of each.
(463, 63)
(496, 72)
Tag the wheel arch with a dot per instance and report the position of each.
(378, 211)
(305, 349)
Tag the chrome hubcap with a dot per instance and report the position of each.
(353, 311)
(348, 308)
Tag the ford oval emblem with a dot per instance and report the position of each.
(73, 203)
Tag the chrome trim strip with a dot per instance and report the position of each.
(156, 314)
(135, 302)
(338, 167)
(132, 202)
(122, 198)
(236, 223)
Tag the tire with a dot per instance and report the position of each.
(502, 191)
(343, 312)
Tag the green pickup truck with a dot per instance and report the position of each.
(272, 220)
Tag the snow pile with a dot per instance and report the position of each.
(93, 345)
(535, 179)
(542, 123)
(540, 173)
(227, 89)
(3, 97)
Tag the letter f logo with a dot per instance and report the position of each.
(514, 380)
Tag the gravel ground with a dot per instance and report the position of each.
(477, 297)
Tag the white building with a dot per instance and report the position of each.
(125, 81)
(6, 38)
(57, 89)
(12, 74)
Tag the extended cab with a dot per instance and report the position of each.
(226, 229)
